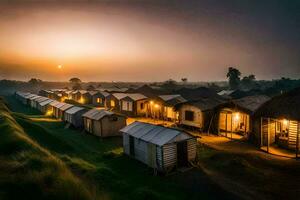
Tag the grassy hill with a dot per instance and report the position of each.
(29, 171)
(102, 166)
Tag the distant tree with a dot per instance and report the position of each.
(75, 80)
(184, 80)
(90, 88)
(248, 82)
(234, 77)
(169, 84)
(35, 81)
(76, 83)
(99, 85)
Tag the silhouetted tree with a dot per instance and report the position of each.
(76, 83)
(35, 81)
(233, 75)
(184, 80)
(169, 84)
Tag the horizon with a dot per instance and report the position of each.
(148, 41)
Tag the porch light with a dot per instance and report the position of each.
(81, 100)
(236, 116)
(156, 106)
(49, 113)
(285, 122)
(151, 102)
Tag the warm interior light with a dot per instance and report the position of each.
(156, 106)
(285, 122)
(49, 113)
(236, 116)
(151, 102)
(81, 100)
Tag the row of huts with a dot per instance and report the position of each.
(129, 104)
(211, 113)
(158, 147)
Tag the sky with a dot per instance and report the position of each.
(144, 40)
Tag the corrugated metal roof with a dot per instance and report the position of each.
(135, 96)
(74, 110)
(59, 105)
(119, 95)
(158, 135)
(46, 102)
(34, 97)
(54, 103)
(41, 99)
(65, 107)
(97, 114)
(30, 96)
(169, 97)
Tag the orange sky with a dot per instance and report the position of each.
(103, 42)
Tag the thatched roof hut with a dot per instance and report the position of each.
(286, 106)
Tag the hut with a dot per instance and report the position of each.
(23, 96)
(277, 123)
(85, 97)
(56, 111)
(133, 105)
(233, 119)
(158, 147)
(197, 114)
(74, 116)
(63, 109)
(113, 101)
(98, 98)
(32, 100)
(103, 123)
(75, 95)
(44, 106)
(38, 100)
(163, 107)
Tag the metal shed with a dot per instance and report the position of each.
(62, 110)
(74, 116)
(103, 123)
(159, 147)
(44, 106)
(38, 100)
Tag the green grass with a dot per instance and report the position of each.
(29, 171)
(252, 176)
(102, 164)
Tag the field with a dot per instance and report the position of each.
(101, 167)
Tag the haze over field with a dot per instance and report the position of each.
(149, 41)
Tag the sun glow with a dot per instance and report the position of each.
(59, 66)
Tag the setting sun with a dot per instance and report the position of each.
(59, 66)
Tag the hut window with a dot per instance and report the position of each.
(99, 100)
(127, 105)
(112, 103)
(142, 106)
(189, 115)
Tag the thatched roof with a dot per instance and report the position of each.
(203, 104)
(286, 106)
(172, 100)
(247, 104)
(192, 94)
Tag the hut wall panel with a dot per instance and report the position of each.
(159, 156)
(192, 149)
(293, 130)
(111, 127)
(197, 122)
(140, 150)
(169, 155)
(126, 143)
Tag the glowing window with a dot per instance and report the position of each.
(99, 100)
(112, 103)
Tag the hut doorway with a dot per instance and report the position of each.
(182, 158)
(280, 136)
(233, 124)
(131, 145)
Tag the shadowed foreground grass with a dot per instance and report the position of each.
(28, 171)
